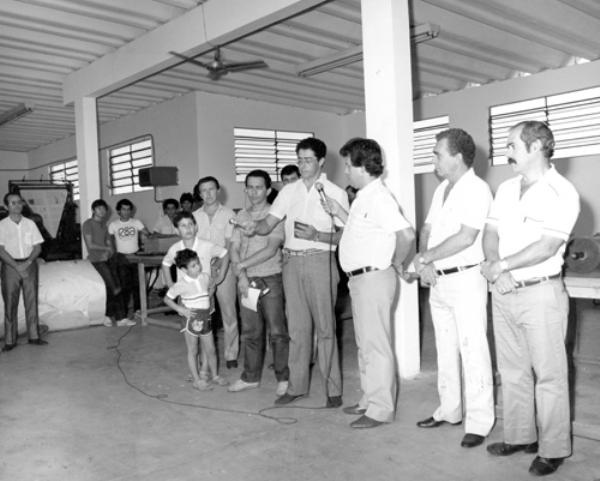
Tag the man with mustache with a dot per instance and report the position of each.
(524, 241)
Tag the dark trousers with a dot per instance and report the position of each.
(12, 282)
(271, 311)
(127, 273)
(115, 307)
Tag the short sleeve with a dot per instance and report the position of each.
(561, 214)
(475, 208)
(387, 214)
(279, 207)
(112, 228)
(36, 235)
(174, 291)
(139, 224)
(169, 258)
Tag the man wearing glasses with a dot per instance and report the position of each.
(310, 274)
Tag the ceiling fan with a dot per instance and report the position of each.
(217, 68)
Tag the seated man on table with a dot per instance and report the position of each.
(164, 225)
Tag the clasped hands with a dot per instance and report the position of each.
(502, 281)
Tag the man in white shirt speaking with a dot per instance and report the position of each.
(375, 243)
(448, 261)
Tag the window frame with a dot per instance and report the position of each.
(426, 129)
(62, 167)
(268, 153)
(118, 175)
(565, 113)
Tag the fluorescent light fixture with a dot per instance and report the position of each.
(15, 113)
(418, 34)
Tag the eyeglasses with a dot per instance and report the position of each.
(306, 160)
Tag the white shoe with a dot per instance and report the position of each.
(241, 385)
(107, 322)
(281, 388)
(125, 323)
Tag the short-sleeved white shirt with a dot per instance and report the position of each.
(19, 239)
(218, 230)
(206, 251)
(468, 203)
(369, 237)
(164, 225)
(549, 207)
(296, 203)
(193, 292)
(126, 234)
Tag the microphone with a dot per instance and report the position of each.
(321, 191)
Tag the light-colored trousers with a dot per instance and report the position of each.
(310, 287)
(374, 297)
(530, 326)
(226, 295)
(458, 310)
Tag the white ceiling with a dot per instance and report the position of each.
(480, 41)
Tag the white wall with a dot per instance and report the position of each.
(195, 133)
(468, 109)
(218, 115)
(14, 166)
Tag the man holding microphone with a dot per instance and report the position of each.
(310, 275)
(375, 243)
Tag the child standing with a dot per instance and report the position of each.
(193, 288)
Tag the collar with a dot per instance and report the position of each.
(372, 185)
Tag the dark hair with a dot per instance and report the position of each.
(459, 142)
(168, 202)
(532, 130)
(259, 173)
(186, 197)
(6, 196)
(208, 178)
(99, 203)
(289, 169)
(364, 153)
(314, 144)
(184, 257)
(124, 202)
(182, 214)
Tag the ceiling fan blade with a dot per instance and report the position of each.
(191, 60)
(240, 66)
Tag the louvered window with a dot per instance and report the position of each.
(574, 118)
(66, 172)
(424, 132)
(269, 150)
(125, 161)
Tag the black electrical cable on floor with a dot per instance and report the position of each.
(285, 420)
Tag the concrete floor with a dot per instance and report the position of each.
(67, 413)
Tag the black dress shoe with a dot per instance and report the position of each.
(543, 466)
(471, 440)
(37, 342)
(365, 422)
(9, 347)
(334, 401)
(505, 449)
(286, 399)
(231, 364)
(354, 410)
(432, 423)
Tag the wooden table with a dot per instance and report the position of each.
(143, 262)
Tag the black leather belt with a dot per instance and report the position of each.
(452, 270)
(535, 280)
(362, 270)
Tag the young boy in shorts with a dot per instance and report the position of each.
(214, 259)
(193, 288)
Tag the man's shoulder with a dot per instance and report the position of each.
(561, 185)
(226, 211)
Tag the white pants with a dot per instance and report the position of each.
(458, 310)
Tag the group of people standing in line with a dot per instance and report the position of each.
(470, 243)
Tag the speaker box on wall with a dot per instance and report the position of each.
(158, 176)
